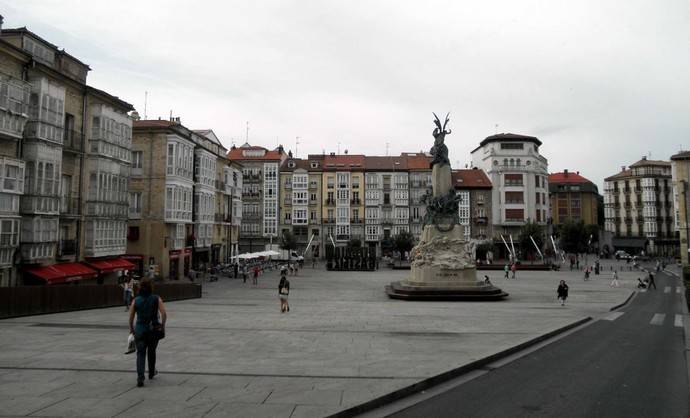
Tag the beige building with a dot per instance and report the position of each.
(342, 198)
(573, 197)
(182, 193)
(680, 169)
(638, 208)
(70, 166)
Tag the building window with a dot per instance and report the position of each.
(514, 197)
(513, 179)
(135, 204)
(512, 145)
(137, 157)
(515, 215)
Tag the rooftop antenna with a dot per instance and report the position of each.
(146, 99)
(296, 143)
(496, 128)
(170, 115)
(387, 145)
(338, 147)
(247, 137)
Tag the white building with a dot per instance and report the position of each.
(638, 208)
(519, 175)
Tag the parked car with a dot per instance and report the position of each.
(622, 255)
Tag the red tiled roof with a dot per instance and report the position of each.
(567, 177)
(237, 155)
(418, 161)
(299, 163)
(473, 178)
(347, 162)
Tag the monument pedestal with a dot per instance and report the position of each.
(443, 268)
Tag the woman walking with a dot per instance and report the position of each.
(562, 292)
(614, 281)
(128, 288)
(283, 292)
(149, 329)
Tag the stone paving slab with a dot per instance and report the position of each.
(232, 353)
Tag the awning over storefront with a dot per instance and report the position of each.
(63, 273)
(629, 242)
(110, 265)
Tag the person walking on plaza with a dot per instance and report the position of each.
(650, 281)
(506, 269)
(614, 282)
(128, 288)
(283, 292)
(255, 277)
(149, 329)
(562, 292)
(245, 272)
(513, 268)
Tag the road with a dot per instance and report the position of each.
(631, 363)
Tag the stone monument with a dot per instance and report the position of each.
(442, 263)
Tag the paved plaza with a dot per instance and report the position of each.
(232, 353)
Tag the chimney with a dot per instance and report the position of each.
(622, 168)
(644, 158)
(565, 173)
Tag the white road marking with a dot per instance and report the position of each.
(658, 319)
(678, 289)
(667, 289)
(613, 316)
(678, 321)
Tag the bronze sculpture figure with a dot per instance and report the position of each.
(440, 151)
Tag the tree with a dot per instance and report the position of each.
(535, 231)
(573, 237)
(288, 242)
(592, 231)
(402, 242)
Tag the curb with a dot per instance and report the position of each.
(451, 374)
(620, 305)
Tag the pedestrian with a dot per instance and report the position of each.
(149, 328)
(236, 268)
(283, 292)
(614, 282)
(255, 277)
(245, 272)
(128, 288)
(513, 268)
(562, 292)
(505, 270)
(586, 273)
(650, 281)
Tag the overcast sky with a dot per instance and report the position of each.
(601, 83)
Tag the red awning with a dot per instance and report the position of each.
(63, 273)
(113, 264)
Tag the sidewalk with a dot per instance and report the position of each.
(232, 353)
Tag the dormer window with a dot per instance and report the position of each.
(291, 164)
(314, 164)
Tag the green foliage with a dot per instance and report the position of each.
(288, 241)
(573, 237)
(404, 241)
(592, 231)
(536, 232)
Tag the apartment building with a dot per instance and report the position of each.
(386, 199)
(70, 169)
(418, 165)
(301, 202)
(260, 194)
(638, 208)
(680, 169)
(519, 176)
(573, 197)
(342, 198)
(474, 208)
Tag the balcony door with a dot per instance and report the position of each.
(66, 193)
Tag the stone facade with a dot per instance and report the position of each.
(680, 168)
